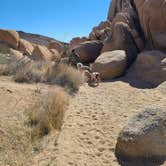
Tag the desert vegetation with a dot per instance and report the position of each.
(48, 112)
(44, 72)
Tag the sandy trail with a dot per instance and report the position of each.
(91, 125)
(94, 119)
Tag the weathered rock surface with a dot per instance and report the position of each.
(127, 34)
(110, 64)
(101, 32)
(144, 136)
(152, 18)
(88, 51)
(55, 55)
(77, 40)
(10, 37)
(41, 53)
(37, 39)
(25, 47)
(57, 46)
(150, 67)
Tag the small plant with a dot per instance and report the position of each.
(48, 113)
(69, 78)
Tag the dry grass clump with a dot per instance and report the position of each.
(63, 75)
(11, 68)
(15, 142)
(48, 112)
(31, 72)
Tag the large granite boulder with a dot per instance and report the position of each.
(10, 37)
(110, 64)
(144, 136)
(149, 67)
(126, 31)
(41, 53)
(101, 32)
(152, 18)
(88, 51)
(25, 47)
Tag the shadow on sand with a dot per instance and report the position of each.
(124, 161)
(135, 83)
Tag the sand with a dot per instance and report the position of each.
(91, 125)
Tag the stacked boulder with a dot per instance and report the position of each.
(132, 26)
(10, 37)
(31, 50)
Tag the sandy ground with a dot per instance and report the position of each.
(95, 118)
(91, 125)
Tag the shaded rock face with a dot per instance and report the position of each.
(144, 136)
(149, 67)
(10, 37)
(110, 64)
(88, 51)
(41, 53)
(101, 32)
(126, 31)
(146, 16)
(57, 46)
(25, 47)
(77, 40)
(153, 22)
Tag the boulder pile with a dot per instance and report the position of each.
(31, 50)
(132, 26)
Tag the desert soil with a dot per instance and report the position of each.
(91, 125)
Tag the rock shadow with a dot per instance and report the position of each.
(126, 161)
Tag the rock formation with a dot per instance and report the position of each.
(150, 67)
(88, 51)
(144, 136)
(10, 37)
(25, 47)
(111, 64)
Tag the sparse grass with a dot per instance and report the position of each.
(15, 142)
(63, 75)
(67, 77)
(48, 113)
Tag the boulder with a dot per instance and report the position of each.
(149, 67)
(88, 51)
(110, 64)
(55, 55)
(144, 136)
(56, 45)
(77, 40)
(64, 61)
(10, 37)
(101, 32)
(126, 30)
(153, 22)
(25, 47)
(41, 53)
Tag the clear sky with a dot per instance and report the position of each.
(60, 19)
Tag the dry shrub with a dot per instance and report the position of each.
(15, 141)
(46, 72)
(11, 68)
(48, 112)
(31, 72)
(65, 76)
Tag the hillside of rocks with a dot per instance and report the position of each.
(120, 122)
(37, 39)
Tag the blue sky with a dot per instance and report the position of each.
(60, 19)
